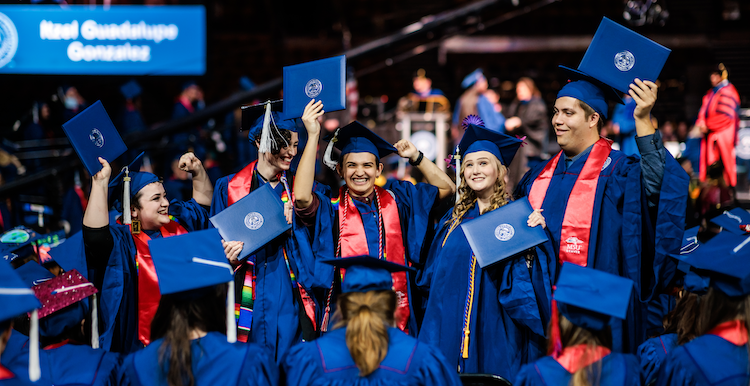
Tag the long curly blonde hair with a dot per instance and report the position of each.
(468, 197)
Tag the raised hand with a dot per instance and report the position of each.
(407, 149)
(313, 111)
(644, 94)
(102, 176)
(191, 164)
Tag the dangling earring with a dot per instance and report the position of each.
(135, 226)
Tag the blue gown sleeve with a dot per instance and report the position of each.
(429, 261)
(127, 375)
(529, 376)
(415, 203)
(221, 196)
(299, 366)
(435, 369)
(653, 159)
(190, 214)
(649, 360)
(676, 370)
(517, 296)
(258, 369)
(315, 244)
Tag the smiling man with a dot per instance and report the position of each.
(606, 210)
(366, 219)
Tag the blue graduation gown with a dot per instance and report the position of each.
(13, 380)
(275, 323)
(414, 204)
(118, 298)
(616, 369)
(706, 360)
(16, 353)
(214, 362)
(510, 310)
(327, 361)
(79, 365)
(627, 238)
(652, 353)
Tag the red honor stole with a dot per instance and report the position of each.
(148, 284)
(579, 356)
(576, 225)
(733, 331)
(6, 374)
(239, 186)
(354, 243)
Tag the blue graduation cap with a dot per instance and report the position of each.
(367, 273)
(356, 138)
(33, 274)
(17, 299)
(131, 89)
(190, 261)
(502, 233)
(472, 78)
(589, 298)
(323, 80)
(255, 220)
(723, 260)
(69, 254)
(127, 184)
(479, 138)
(189, 264)
(589, 90)
(263, 121)
(93, 135)
(618, 55)
(61, 300)
(732, 219)
(16, 243)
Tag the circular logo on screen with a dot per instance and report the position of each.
(97, 138)
(254, 221)
(313, 88)
(624, 61)
(504, 232)
(8, 39)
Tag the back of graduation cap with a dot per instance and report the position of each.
(356, 138)
(725, 260)
(16, 299)
(16, 245)
(617, 55)
(189, 264)
(367, 273)
(733, 221)
(323, 80)
(93, 135)
(589, 298)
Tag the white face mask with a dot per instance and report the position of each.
(71, 103)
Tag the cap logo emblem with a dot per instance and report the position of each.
(96, 138)
(15, 236)
(254, 221)
(504, 232)
(313, 88)
(574, 245)
(8, 40)
(624, 60)
(606, 163)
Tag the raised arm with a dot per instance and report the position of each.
(305, 177)
(431, 172)
(202, 189)
(653, 153)
(97, 213)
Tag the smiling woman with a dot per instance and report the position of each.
(120, 252)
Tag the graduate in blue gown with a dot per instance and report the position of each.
(580, 335)
(118, 253)
(391, 224)
(506, 304)
(606, 210)
(719, 355)
(365, 348)
(275, 307)
(16, 299)
(193, 334)
(65, 357)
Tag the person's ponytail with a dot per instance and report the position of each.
(367, 317)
